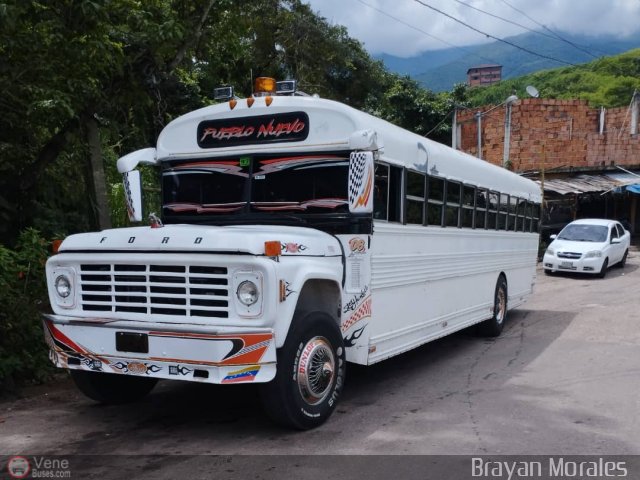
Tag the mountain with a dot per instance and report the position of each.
(439, 70)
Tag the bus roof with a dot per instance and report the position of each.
(330, 126)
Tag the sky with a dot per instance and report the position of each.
(382, 34)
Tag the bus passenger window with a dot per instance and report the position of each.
(492, 210)
(415, 197)
(527, 224)
(395, 194)
(504, 211)
(435, 200)
(452, 208)
(513, 211)
(481, 208)
(535, 223)
(468, 203)
(381, 192)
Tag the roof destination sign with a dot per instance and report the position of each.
(231, 132)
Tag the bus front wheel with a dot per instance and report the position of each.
(493, 327)
(310, 374)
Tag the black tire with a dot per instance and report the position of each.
(310, 374)
(493, 327)
(603, 270)
(112, 388)
(623, 262)
(548, 271)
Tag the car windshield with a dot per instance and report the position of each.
(584, 233)
(308, 184)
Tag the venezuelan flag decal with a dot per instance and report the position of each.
(244, 375)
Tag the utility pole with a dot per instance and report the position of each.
(479, 120)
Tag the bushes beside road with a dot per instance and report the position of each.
(23, 297)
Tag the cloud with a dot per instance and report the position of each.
(382, 34)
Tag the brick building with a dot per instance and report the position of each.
(574, 150)
(483, 75)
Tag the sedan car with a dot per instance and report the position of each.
(590, 245)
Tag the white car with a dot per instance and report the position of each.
(590, 245)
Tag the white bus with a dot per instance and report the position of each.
(296, 234)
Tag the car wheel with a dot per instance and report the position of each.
(112, 388)
(493, 327)
(603, 270)
(310, 374)
(548, 272)
(623, 262)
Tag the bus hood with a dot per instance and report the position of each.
(246, 239)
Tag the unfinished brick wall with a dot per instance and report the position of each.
(562, 135)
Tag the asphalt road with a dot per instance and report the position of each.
(562, 379)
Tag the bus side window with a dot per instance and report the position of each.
(492, 210)
(452, 208)
(435, 200)
(481, 208)
(395, 194)
(504, 211)
(468, 204)
(535, 224)
(415, 198)
(529, 209)
(381, 192)
(513, 211)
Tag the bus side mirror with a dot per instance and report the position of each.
(133, 194)
(361, 176)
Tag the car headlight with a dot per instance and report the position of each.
(248, 293)
(550, 251)
(63, 286)
(593, 254)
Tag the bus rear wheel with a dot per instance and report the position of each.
(310, 374)
(112, 388)
(493, 327)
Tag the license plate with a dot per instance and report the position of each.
(566, 264)
(132, 342)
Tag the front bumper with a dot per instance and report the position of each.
(580, 265)
(208, 354)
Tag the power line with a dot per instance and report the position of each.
(538, 32)
(549, 30)
(468, 51)
(492, 36)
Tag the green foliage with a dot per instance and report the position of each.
(23, 296)
(608, 82)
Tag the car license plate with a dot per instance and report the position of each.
(566, 264)
(132, 342)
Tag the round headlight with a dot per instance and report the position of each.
(248, 293)
(63, 286)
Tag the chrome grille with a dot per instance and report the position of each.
(192, 291)
(571, 255)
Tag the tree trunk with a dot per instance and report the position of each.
(98, 181)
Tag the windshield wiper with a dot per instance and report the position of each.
(205, 207)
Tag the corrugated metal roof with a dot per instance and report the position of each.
(590, 183)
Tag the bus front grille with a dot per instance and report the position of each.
(191, 291)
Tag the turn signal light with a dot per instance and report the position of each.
(272, 248)
(268, 100)
(55, 245)
(232, 103)
(250, 101)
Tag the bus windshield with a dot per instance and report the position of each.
(304, 184)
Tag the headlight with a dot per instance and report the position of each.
(63, 286)
(248, 293)
(594, 253)
(550, 251)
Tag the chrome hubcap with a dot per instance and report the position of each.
(316, 370)
(501, 305)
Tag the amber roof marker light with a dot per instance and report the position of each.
(264, 86)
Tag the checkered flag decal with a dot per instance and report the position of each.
(360, 181)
